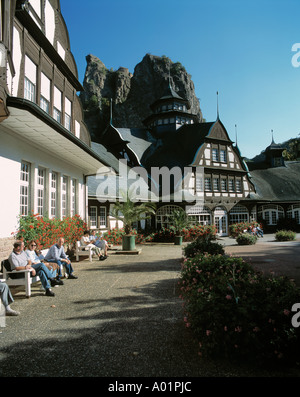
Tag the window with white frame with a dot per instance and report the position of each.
(163, 215)
(102, 216)
(93, 217)
(231, 185)
(53, 194)
(199, 214)
(77, 129)
(216, 184)
(24, 188)
(238, 185)
(30, 80)
(68, 113)
(57, 105)
(271, 213)
(223, 156)
(224, 184)
(199, 183)
(73, 196)
(293, 211)
(238, 213)
(45, 93)
(40, 191)
(207, 183)
(64, 195)
(215, 155)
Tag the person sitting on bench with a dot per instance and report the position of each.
(57, 254)
(7, 299)
(86, 243)
(19, 261)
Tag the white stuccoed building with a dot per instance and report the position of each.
(45, 148)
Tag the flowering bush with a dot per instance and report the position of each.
(46, 231)
(285, 235)
(189, 234)
(235, 311)
(238, 228)
(246, 239)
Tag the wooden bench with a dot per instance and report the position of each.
(20, 277)
(83, 251)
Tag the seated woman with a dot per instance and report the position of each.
(85, 243)
(35, 256)
(99, 241)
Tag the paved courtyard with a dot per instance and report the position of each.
(121, 318)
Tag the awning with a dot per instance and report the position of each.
(28, 122)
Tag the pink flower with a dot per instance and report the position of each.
(256, 329)
(286, 312)
(228, 297)
(208, 332)
(238, 329)
(225, 328)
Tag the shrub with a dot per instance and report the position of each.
(235, 311)
(47, 231)
(285, 235)
(246, 239)
(201, 245)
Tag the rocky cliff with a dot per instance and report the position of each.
(131, 94)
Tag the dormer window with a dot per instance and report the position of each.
(215, 154)
(223, 157)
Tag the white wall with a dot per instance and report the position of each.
(12, 151)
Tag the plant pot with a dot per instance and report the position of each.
(178, 240)
(128, 242)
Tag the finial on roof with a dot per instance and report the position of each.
(236, 136)
(272, 136)
(217, 105)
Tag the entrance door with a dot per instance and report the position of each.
(221, 221)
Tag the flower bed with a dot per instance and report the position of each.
(114, 236)
(167, 235)
(234, 311)
(46, 231)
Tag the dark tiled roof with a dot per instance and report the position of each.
(139, 139)
(277, 184)
(177, 148)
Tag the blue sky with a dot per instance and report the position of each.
(240, 48)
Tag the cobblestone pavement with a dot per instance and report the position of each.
(121, 318)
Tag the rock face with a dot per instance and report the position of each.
(131, 94)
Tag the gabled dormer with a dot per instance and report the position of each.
(273, 153)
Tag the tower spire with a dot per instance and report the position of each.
(272, 136)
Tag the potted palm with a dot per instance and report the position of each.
(179, 221)
(128, 211)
